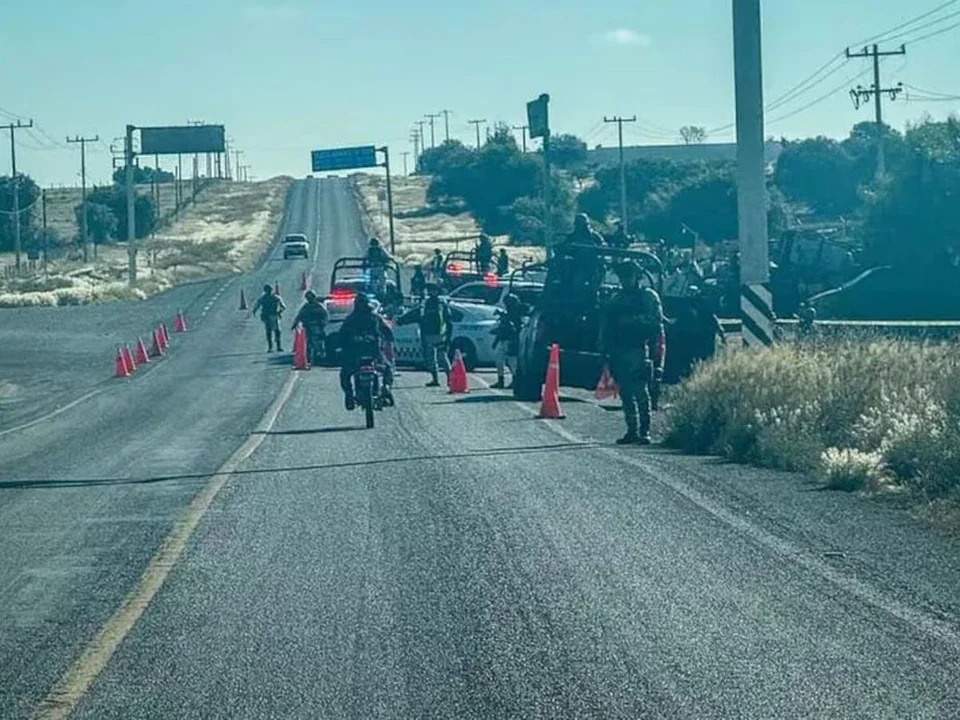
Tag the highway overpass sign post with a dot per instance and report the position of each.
(756, 301)
(166, 140)
(355, 158)
(538, 118)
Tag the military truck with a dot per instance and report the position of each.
(579, 284)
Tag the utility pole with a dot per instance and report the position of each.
(416, 149)
(83, 189)
(623, 170)
(236, 165)
(431, 117)
(405, 154)
(16, 186)
(131, 208)
(196, 160)
(861, 93)
(386, 164)
(756, 301)
(423, 139)
(523, 130)
(43, 211)
(446, 124)
(179, 182)
(477, 124)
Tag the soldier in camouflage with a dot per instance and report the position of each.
(633, 317)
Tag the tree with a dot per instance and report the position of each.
(821, 173)
(913, 219)
(567, 151)
(143, 175)
(28, 193)
(115, 199)
(101, 221)
(435, 161)
(693, 134)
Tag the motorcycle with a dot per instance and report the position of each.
(372, 394)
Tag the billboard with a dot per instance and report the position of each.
(344, 158)
(185, 140)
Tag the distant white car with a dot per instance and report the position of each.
(296, 245)
(473, 326)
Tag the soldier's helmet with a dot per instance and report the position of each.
(581, 222)
(361, 302)
(310, 295)
(626, 269)
(267, 289)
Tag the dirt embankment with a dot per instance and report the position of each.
(228, 227)
(418, 226)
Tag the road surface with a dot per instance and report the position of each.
(461, 560)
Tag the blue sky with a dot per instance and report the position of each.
(286, 77)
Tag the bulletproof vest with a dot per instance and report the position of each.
(431, 317)
(632, 320)
(270, 305)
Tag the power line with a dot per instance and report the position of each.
(930, 24)
(822, 98)
(883, 36)
(914, 41)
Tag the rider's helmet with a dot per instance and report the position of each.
(362, 302)
(511, 301)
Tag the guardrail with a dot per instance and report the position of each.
(922, 329)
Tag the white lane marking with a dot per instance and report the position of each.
(76, 682)
(943, 631)
(53, 413)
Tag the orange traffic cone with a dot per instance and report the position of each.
(606, 388)
(550, 404)
(128, 359)
(457, 377)
(180, 324)
(300, 360)
(303, 281)
(157, 349)
(164, 336)
(120, 366)
(141, 357)
(243, 300)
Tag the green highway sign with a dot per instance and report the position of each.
(347, 158)
(537, 117)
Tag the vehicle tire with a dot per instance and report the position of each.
(467, 351)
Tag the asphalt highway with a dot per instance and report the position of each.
(461, 560)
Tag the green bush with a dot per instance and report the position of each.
(865, 413)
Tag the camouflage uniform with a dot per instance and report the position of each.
(632, 318)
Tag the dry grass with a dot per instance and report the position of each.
(418, 227)
(864, 414)
(225, 231)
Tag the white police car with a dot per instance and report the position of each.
(473, 326)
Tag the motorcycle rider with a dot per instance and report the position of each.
(633, 317)
(271, 307)
(362, 336)
(314, 317)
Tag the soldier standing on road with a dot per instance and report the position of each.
(633, 317)
(271, 307)
(507, 338)
(314, 317)
(436, 329)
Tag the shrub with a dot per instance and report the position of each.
(863, 412)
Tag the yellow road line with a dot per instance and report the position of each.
(75, 683)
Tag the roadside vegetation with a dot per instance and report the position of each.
(863, 413)
(225, 229)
